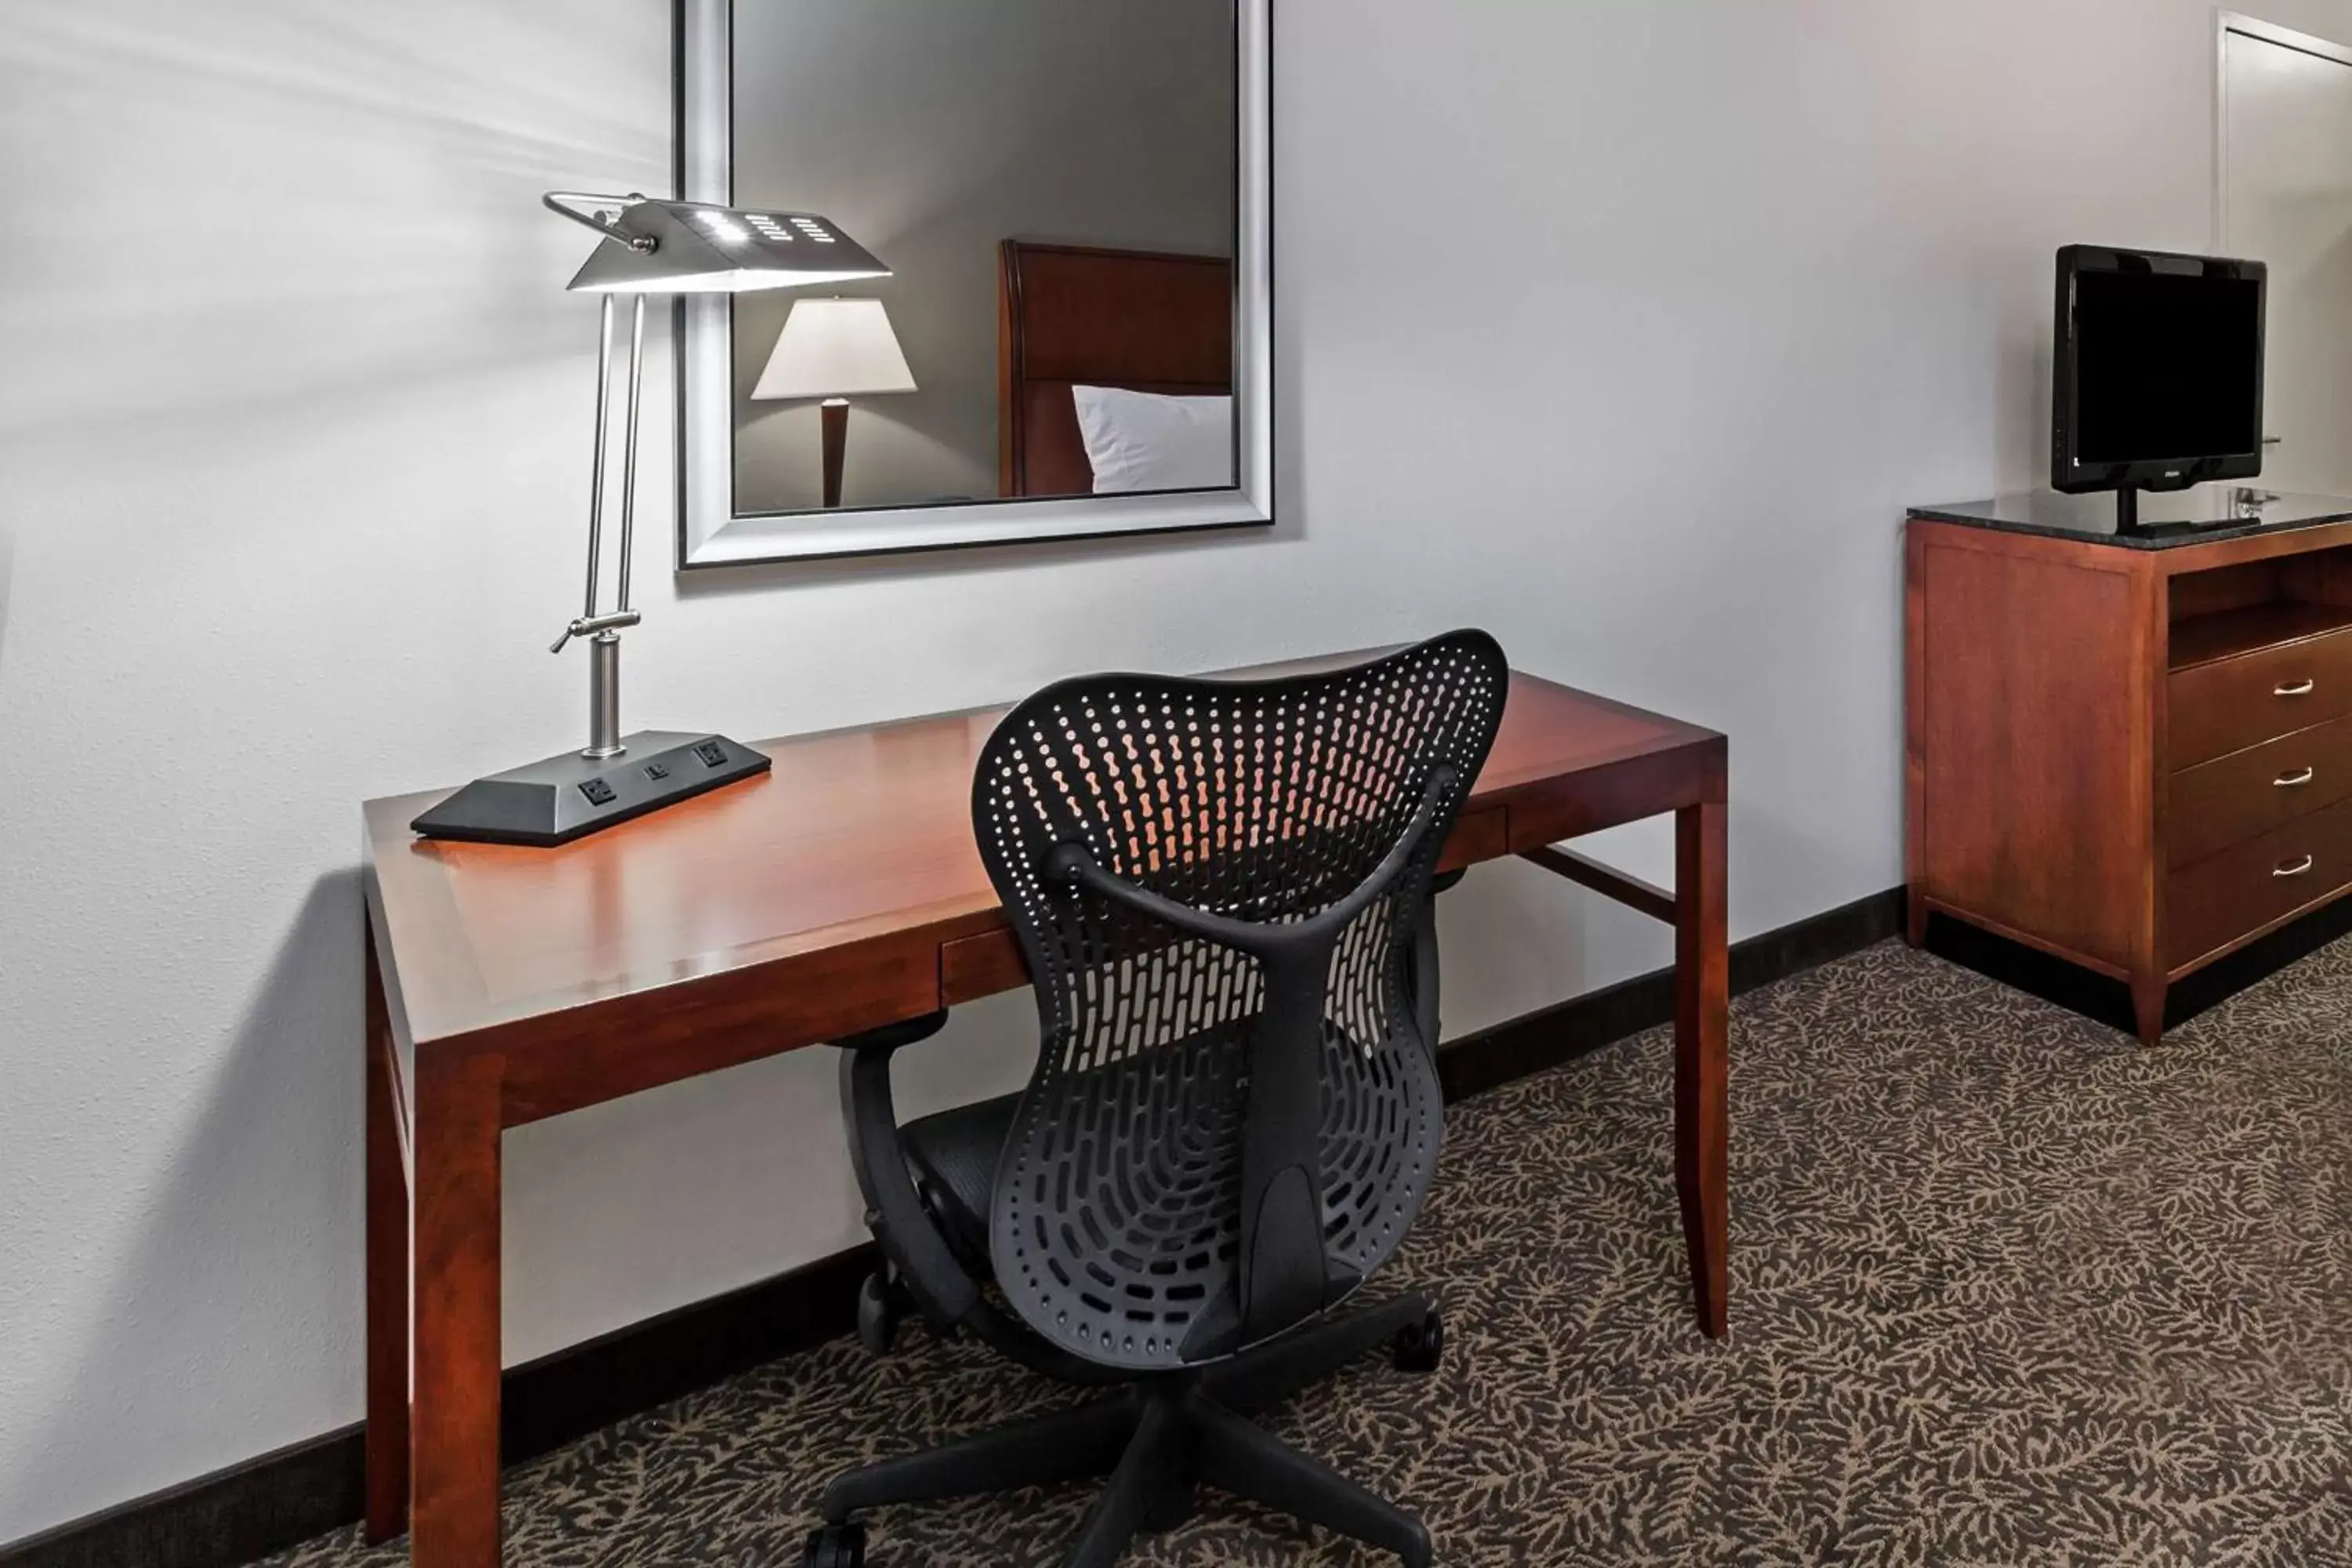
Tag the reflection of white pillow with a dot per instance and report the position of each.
(1144, 441)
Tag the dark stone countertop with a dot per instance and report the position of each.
(2167, 522)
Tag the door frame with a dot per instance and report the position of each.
(2224, 24)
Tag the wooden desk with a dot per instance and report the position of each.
(838, 894)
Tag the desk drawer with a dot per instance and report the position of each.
(2233, 703)
(2231, 799)
(2242, 889)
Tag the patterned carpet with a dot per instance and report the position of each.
(2005, 1289)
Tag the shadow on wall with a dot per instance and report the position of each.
(397, 240)
(264, 1191)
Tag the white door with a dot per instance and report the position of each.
(2287, 199)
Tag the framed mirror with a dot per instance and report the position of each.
(1073, 198)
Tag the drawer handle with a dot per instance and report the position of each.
(2304, 690)
(2299, 868)
(2296, 781)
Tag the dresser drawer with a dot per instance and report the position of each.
(2233, 703)
(2231, 799)
(2238, 892)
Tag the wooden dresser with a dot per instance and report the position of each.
(2132, 751)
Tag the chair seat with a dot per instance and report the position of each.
(954, 1155)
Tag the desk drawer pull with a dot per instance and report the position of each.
(2304, 690)
(2296, 781)
(2300, 867)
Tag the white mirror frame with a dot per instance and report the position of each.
(709, 531)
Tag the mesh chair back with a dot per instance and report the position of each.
(1124, 1204)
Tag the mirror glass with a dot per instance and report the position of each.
(1052, 183)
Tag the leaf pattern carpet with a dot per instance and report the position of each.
(2005, 1289)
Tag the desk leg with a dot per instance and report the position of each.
(387, 1276)
(455, 1448)
(1702, 1055)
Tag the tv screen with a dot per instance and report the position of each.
(2159, 369)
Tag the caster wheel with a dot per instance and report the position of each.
(836, 1546)
(878, 1317)
(1420, 1346)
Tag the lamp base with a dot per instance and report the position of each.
(559, 799)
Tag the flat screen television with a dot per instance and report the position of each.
(2159, 372)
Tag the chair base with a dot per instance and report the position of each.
(1159, 1440)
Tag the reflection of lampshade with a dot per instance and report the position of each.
(835, 348)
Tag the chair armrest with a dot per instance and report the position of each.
(927, 1266)
(895, 1211)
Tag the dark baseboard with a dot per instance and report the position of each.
(2108, 1002)
(563, 1397)
(268, 1503)
(1581, 1024)
(247, 1510)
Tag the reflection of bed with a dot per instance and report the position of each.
(1073, 315)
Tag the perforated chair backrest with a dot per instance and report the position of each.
(1218, 885)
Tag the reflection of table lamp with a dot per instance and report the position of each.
(650, 248)
(837, 350)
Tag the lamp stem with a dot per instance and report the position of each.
(596, 475)
(604, 695)
(603, 631)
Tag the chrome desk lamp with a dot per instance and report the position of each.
(649, 247)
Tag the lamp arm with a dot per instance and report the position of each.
(590, 621)
(629, 450)
(560, 202)
(603, 627)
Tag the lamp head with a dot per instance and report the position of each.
(696, 248)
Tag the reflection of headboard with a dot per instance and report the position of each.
(1141, 320)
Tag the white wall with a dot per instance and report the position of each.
(292, 463)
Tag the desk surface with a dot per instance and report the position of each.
(856, 833)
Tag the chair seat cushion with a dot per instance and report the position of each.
(954, 1155)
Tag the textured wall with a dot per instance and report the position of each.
(292, 465)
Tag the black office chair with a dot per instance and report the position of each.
(1223, 888)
